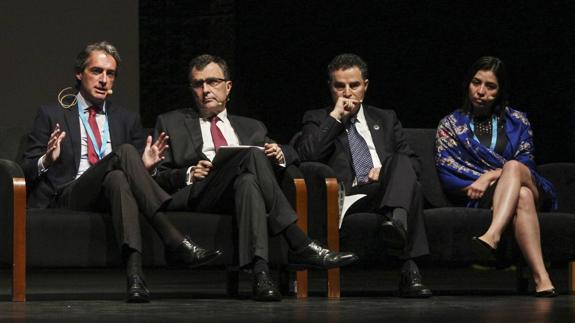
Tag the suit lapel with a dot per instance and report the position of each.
(192, 124)
(243, 134)
(72, 118)
(375, 126)
(344, 142)
(114, 125)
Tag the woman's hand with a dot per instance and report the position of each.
(476, 190)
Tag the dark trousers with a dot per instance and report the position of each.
(120, 185)
(398, 187)
(244, 185)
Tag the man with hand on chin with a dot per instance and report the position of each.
(243, 185)
(93, 155)
(366, 148)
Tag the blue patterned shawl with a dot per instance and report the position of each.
(460, 159)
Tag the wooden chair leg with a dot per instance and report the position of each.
(19, 241)
(333, 275)
(572, 277)
(301, 287)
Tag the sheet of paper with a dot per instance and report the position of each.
(347, 202)
(226, 152)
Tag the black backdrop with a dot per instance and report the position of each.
(417, 51)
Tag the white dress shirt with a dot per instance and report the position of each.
(101, 119)
(363, 130)
(225, 127)
(208, 144)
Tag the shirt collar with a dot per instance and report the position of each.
(84, 105)
(223, 116)
(359, 116)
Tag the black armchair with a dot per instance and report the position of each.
(56, 238)
(449, 228)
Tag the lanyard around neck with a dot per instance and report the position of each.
(100, 151)
(493, 132)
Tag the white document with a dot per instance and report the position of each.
(347, 202)
(226, 152)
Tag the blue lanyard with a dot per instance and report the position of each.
(493, 132)
(99, 150)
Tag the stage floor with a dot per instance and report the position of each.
(462, 295)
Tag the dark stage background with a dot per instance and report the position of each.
(40, 40)
(417, 51)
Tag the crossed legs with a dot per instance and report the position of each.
(514, 201)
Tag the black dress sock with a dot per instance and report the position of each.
(134, 263)
(170, 235)
(295, 237)
(260, 265)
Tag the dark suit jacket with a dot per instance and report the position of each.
(186, 143)
(324, 140)
(124, 127)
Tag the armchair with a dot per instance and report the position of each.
(449, 228)
(56, 238)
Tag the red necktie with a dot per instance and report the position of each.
(217, 136)
(92, 154)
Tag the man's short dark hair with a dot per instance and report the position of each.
(104, 46)
(201, 61)
(82, 57)
(347, 61)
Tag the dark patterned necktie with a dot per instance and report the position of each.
(92, 154)
(362, 162)
(217, 135)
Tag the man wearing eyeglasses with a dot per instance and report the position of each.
(366, 148)
(243, 185)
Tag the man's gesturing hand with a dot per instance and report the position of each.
(53, 148)
(154, 153)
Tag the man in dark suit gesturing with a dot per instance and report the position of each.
(366, 148)
(90, 154)
(243, 185)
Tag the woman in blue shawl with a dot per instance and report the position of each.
(484, 158)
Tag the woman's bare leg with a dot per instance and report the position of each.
(527, 234)
(505, 198)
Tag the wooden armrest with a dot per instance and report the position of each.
(301, 210)
(333, 275)
(572, 277)
(19, 241)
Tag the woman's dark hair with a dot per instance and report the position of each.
(494, 64)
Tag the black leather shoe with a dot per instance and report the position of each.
(410, 283)
(137, 292)
(264, 289)
(483, 249)
(189, 254)
(394, 234)
(548, 293)
(315, 256)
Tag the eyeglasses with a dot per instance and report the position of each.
(210, 81)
